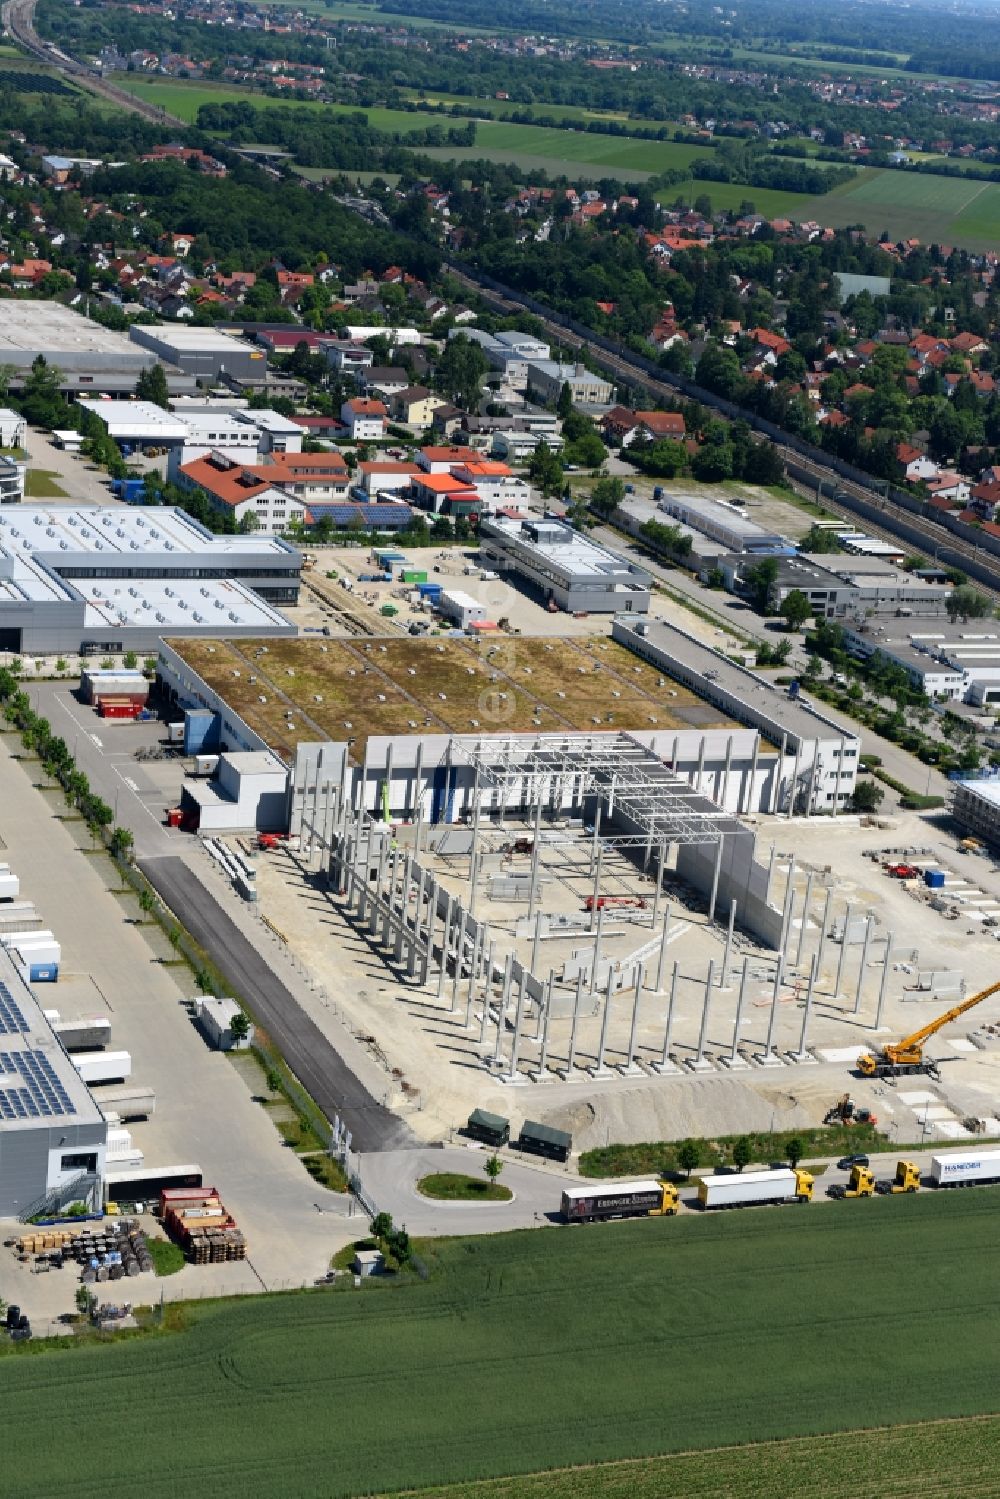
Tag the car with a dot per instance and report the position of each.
(847, 1161)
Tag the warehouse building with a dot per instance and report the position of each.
(563, 567)
(402, 717)
(841, 587)
(730, 526)
(91, 359)
(958, 662)
(204, 353)
(101, 579)
(53, 1137)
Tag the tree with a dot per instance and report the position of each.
(793, 1151)
(607, 494)
(41, 399)
(966, 603)
(818, 539)
(250, 522)
(867, 797)
(564, 405)
(688, 1157)
(759, 580)
(795, 609)
(741, 1153)
(239, 1027)
(461, 371)
(152, 386)
(545, 470)
(493, 1166)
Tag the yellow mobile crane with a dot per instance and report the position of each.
(908, 1055)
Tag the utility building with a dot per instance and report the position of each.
(564, 568)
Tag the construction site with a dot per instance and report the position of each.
(615, 897)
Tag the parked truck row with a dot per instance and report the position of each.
(661, 1199)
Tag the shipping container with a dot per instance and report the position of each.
(10, 886)
(128, 1103)
(118, 681)
(961, 1168)
(748, 1187)
(103, 1066)
(413, 575)
(934, 879)
(175, 733)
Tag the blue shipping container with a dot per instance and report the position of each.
(43, 973)
(934, 879)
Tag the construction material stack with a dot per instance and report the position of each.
(110, 1252)
(198, 1220)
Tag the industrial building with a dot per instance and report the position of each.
(53, 1137)
(729, 525)
(204, 353)
(104, 580)
(563, 567)
(840, 587)
(959, 662)
(405, 719)
(976, 808)
(90, 358)
(546, 378)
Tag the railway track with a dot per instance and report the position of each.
(18, 17)
(861, 503)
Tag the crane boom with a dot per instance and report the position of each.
(935, 1025)
(908, 1055)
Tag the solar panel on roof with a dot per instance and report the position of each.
(12, 1022)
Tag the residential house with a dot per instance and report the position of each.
(415, 406)
(233, 487)
(364, 419)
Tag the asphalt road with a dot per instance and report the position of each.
(313, 1059)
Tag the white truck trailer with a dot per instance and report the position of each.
(965, 1168)
(128, 1103)
(754, 1187)
(103, 1066)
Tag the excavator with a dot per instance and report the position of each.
(901, 1057)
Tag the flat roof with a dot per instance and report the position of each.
(125, 419)
(794, 716)
(50, 327)
(702, 507)
(188, 339)
(350, 690)
(987, 791)
(575, 554)
(39, 1086)
(183, 604)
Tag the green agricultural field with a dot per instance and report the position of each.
(556, 1348)
(943, 1458)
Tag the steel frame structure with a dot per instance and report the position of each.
(620, 770)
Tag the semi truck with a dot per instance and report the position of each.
(754, 1187)
(642, 1199)
(861, 1184)
(965, 1168)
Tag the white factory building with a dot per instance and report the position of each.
(53, 1137)
(957, 662)
(97, 579)
(729, 525)
(194, 431)
(563, 567)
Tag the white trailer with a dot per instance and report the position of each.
(84, 1034)
(128, 1103)
(737, 1191)
(965, 1168)
(103, 1066)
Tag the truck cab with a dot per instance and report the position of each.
(669, 1202)
(861, 1184)
(907, 1178)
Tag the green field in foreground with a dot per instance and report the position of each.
(543, 1348)
(941, 1458)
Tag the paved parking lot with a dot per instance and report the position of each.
(205, 1112)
